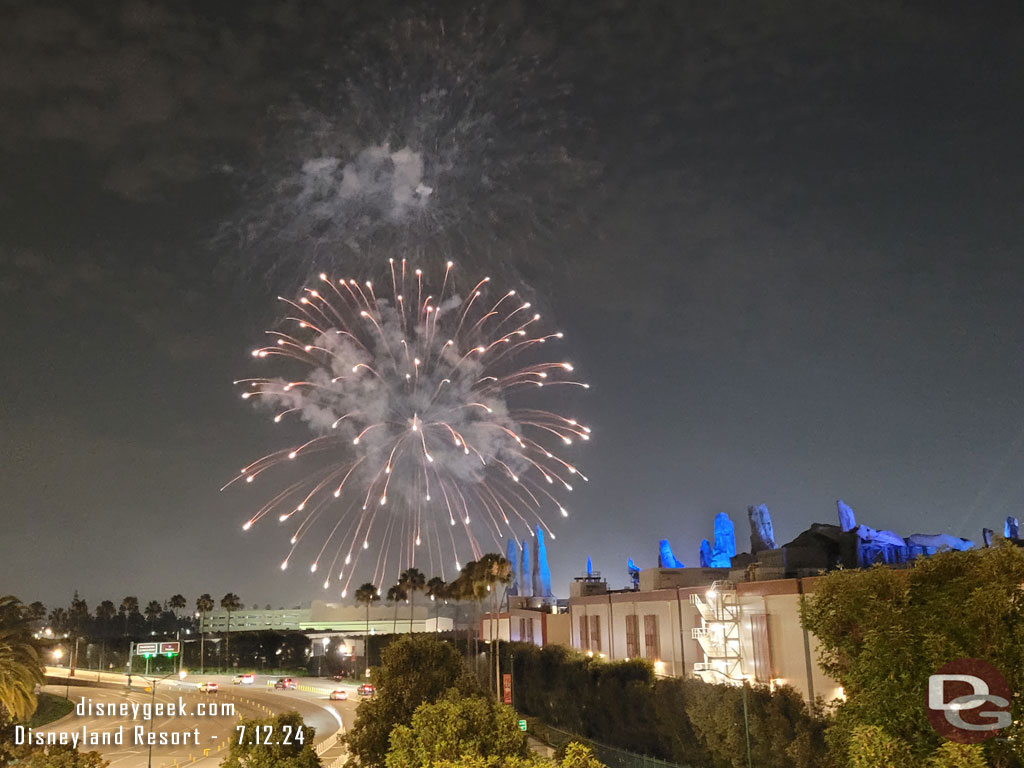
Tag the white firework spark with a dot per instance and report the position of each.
(424, 435)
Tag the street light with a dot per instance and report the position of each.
(152, 705)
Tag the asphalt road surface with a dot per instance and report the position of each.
(194, 727)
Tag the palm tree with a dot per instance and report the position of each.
(78, 616)
(412, 581)
(366, 595)
(20, 668)
(471, 586)
(396, 594)
(105, 611)
(204, 604)
(153, 611)
(229, 603)
(129, 606)
(495, 570)
(177, 603)
(37, 611)
(437, 590)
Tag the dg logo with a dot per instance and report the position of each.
(968, 701)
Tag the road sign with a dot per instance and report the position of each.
(522, 725)
(170, 649)
(506, 685)
(141, 649)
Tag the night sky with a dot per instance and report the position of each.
(783, 240)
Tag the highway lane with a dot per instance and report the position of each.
(191, 734)
(328, 718)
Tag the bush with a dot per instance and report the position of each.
(456, 727)
(621, 704)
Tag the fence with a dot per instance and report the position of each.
(613, 757)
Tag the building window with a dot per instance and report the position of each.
(762, 650)
(529, 630)
(584, 635)
(632, 636)
(595, 634)
(522, 629)
(652, 649)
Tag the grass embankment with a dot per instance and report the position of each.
(50, 707)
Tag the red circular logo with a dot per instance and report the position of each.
(968, 701)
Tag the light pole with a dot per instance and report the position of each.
(746, 718)
(202, 637)
(152, 705)
(58, 654)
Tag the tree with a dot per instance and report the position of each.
(153, 611)
(396, 594)
(496, 572)
(291, 744)
(204, 604)
(36, 611)
(230, 603)
(106, 611)
(414, 669)
(20, 668)
(50, 756)
(78, 616)
(883, 632)
(129, 607)
(437, 590)
(177, 603)
(59, 619)
(367, 594)
(456, 727)
(412, 581)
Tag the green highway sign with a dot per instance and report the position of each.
(522, 725)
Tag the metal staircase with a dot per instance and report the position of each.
(719, 637)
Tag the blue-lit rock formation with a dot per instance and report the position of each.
(725, 542)
(932, 543)
(634, 573)
(525, 572)
(541, 572)
(665, 557)
(1011, 528)
(512, 555)
(705, 554)
(847, 520)
(762, 534)
(986, 536)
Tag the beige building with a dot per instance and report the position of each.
(687, 622)
(525, 623)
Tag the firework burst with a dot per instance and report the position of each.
(425, 439)
(425, 133)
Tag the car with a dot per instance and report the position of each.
(285, 684)
(339, 695)
(338, 678)
(366, 689)
(246, 679)
(208, 687)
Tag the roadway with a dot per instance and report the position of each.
(200, 734)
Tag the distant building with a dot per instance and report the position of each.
(336, 618)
